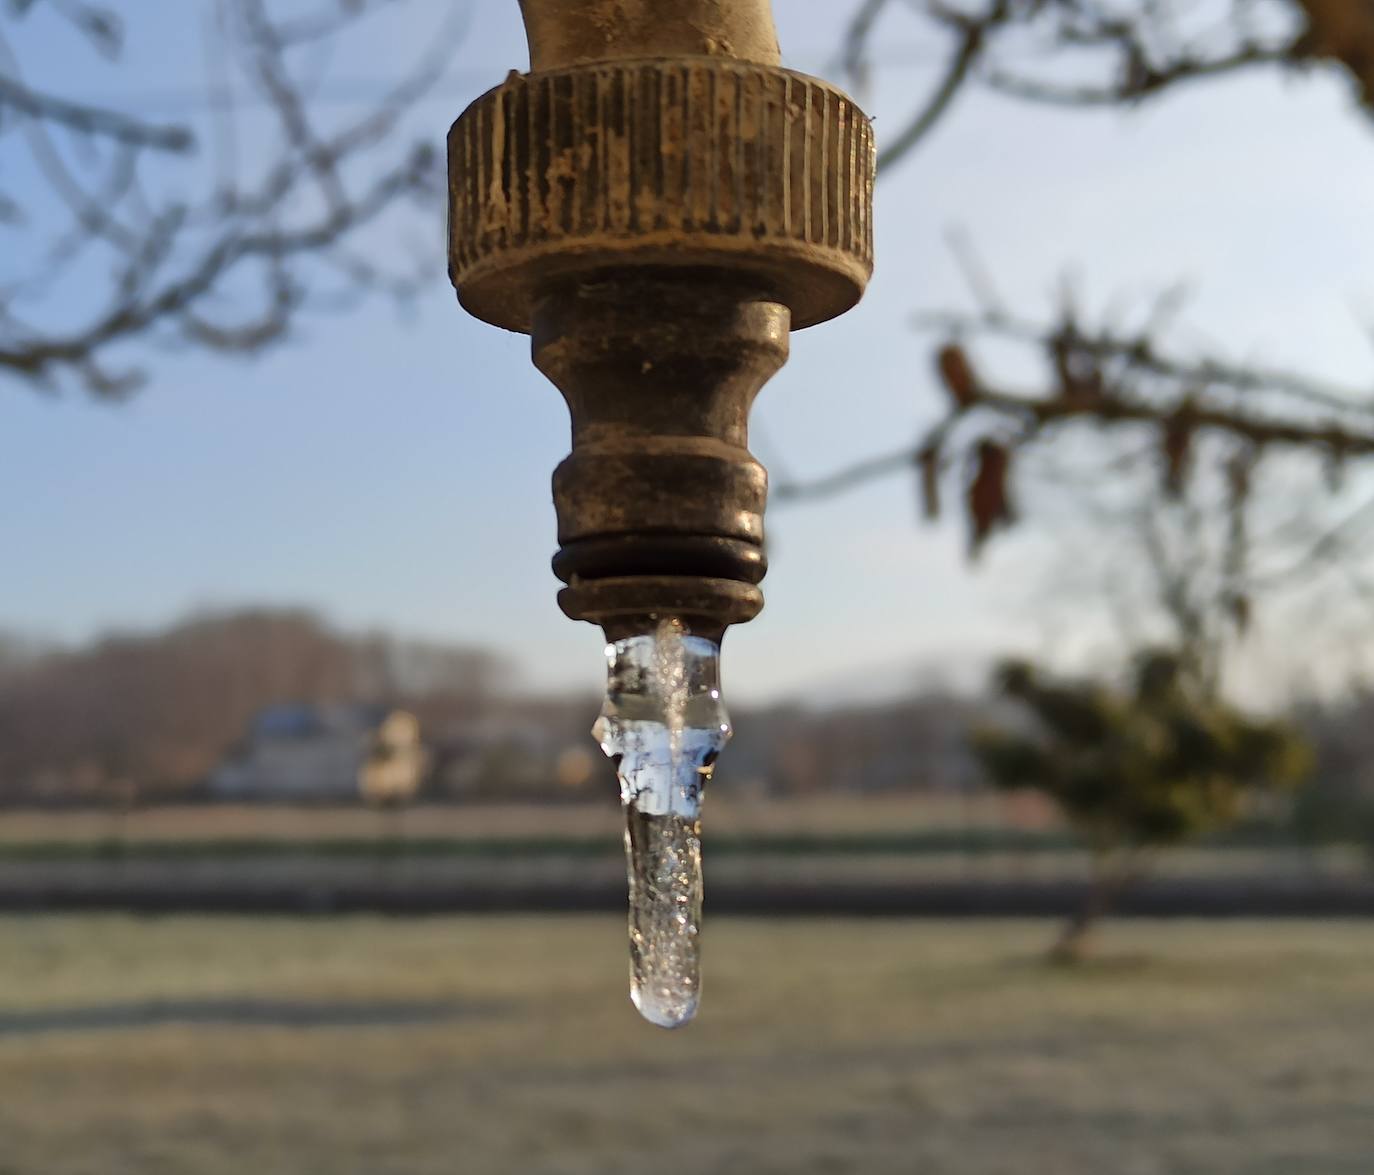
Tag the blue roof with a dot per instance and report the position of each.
(305, 719)
(291, 720)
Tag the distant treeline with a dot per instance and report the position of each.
(151, 714)
(138, 718)
(146, 717)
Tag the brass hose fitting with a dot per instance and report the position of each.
(657, 204)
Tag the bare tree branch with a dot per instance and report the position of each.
(92, 120)
(232, 270)
(970, 33)
(1182, 445)
(1123, 53)
(1105, 379)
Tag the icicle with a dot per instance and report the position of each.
(663, 724)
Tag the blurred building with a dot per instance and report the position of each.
(525, 749)
(915, 744)
(322, 753)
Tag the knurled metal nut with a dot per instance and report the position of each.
(692, 162)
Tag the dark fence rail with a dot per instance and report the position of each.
(1231, 897)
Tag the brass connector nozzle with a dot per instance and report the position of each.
(658, 203)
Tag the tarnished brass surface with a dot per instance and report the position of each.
(691, 162)
(575, 32)
(658, 204)
(659, 369)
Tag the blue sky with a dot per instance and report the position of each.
(394, 469)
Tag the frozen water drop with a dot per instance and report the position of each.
(663, 724)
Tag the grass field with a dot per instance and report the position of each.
(600, 817)
(487, 1046)
(878, 838)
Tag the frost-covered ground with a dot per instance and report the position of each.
(507, 1045)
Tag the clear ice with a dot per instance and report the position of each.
(663, 725)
